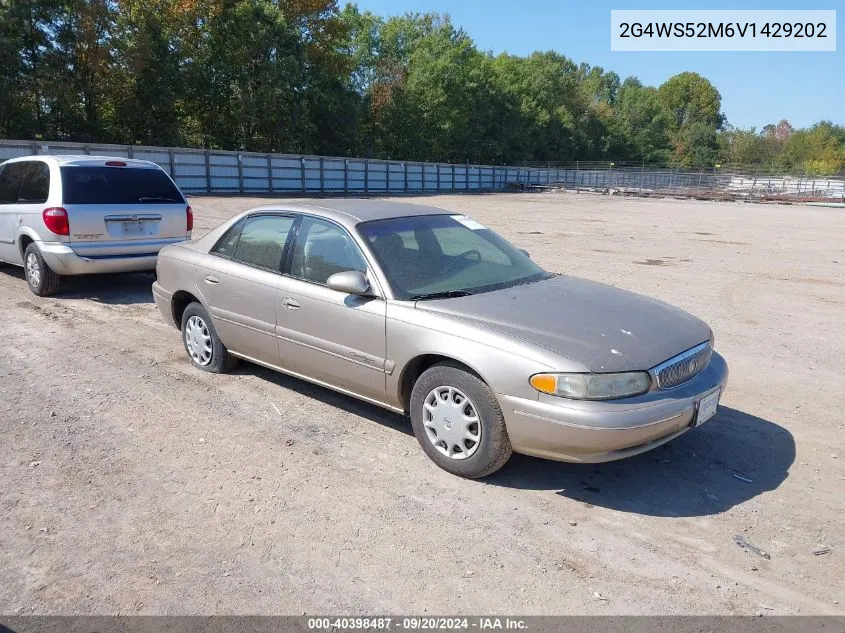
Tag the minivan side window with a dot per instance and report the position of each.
(11, 177)
(257, 241)
(36, 184)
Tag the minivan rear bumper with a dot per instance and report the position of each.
(63, 260)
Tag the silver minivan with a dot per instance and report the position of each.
(75, 215)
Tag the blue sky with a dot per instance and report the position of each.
(756, 88)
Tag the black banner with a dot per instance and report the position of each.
(529, 624)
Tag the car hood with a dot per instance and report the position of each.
(603, 328)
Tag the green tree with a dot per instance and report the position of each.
(332, 104)
(23, 39)
(147, 83)
(77, 69)
(643, 122)
(247, 77)
(694, 108)
(545, 88)
(819, 150)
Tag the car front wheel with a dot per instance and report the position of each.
(458, 422)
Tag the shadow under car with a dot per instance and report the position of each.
(734, 457)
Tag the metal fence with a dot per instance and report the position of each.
(711, 183)
(215, 171)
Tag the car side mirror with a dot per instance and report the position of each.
(524, 252)
(351, 282)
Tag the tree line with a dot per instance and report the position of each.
(307, 76)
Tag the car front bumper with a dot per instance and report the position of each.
(65, 261)
(601, 431)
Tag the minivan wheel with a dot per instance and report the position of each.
(204, 347)
(458, 422)
(42, 280)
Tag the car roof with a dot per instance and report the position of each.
(85, 160)
(355, 210)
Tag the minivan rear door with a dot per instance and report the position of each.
(121, 208)
(11, 177)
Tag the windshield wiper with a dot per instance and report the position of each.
(157, 199)
(446, 294)
(525, 282)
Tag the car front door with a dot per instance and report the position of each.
(324, 334)
(239, 280)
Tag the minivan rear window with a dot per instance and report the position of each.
(117, 185)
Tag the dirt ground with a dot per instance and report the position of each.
(131, 483)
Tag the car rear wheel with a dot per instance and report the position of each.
(204, 347)
(42, 280)
(458, 422)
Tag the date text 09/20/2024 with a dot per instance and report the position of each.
(416, 623)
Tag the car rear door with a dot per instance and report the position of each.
(122, 208)
(239, 281)
(324, 334)
(11, 178)
(27, 190)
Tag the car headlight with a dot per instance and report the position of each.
(592, 386)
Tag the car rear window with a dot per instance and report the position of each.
(117, 185)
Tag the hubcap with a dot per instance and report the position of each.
(198, 340)
(451, 422)
(33, 270)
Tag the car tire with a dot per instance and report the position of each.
(204, 348)
(461, 393)
(42, 280)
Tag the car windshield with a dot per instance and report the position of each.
(438, 256)
(117, 185)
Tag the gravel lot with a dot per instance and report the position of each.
(131, 483)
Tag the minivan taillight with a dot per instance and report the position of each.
(189, 218)
(55, 219)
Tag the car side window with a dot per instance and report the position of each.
(262, 241)
(323, 249)
(11, 177)
(226, 245)
(36, 184)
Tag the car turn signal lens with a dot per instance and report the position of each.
(544, 382)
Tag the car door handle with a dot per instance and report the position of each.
(290, 304)
(211, 279)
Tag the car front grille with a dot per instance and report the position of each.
(683, 367)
